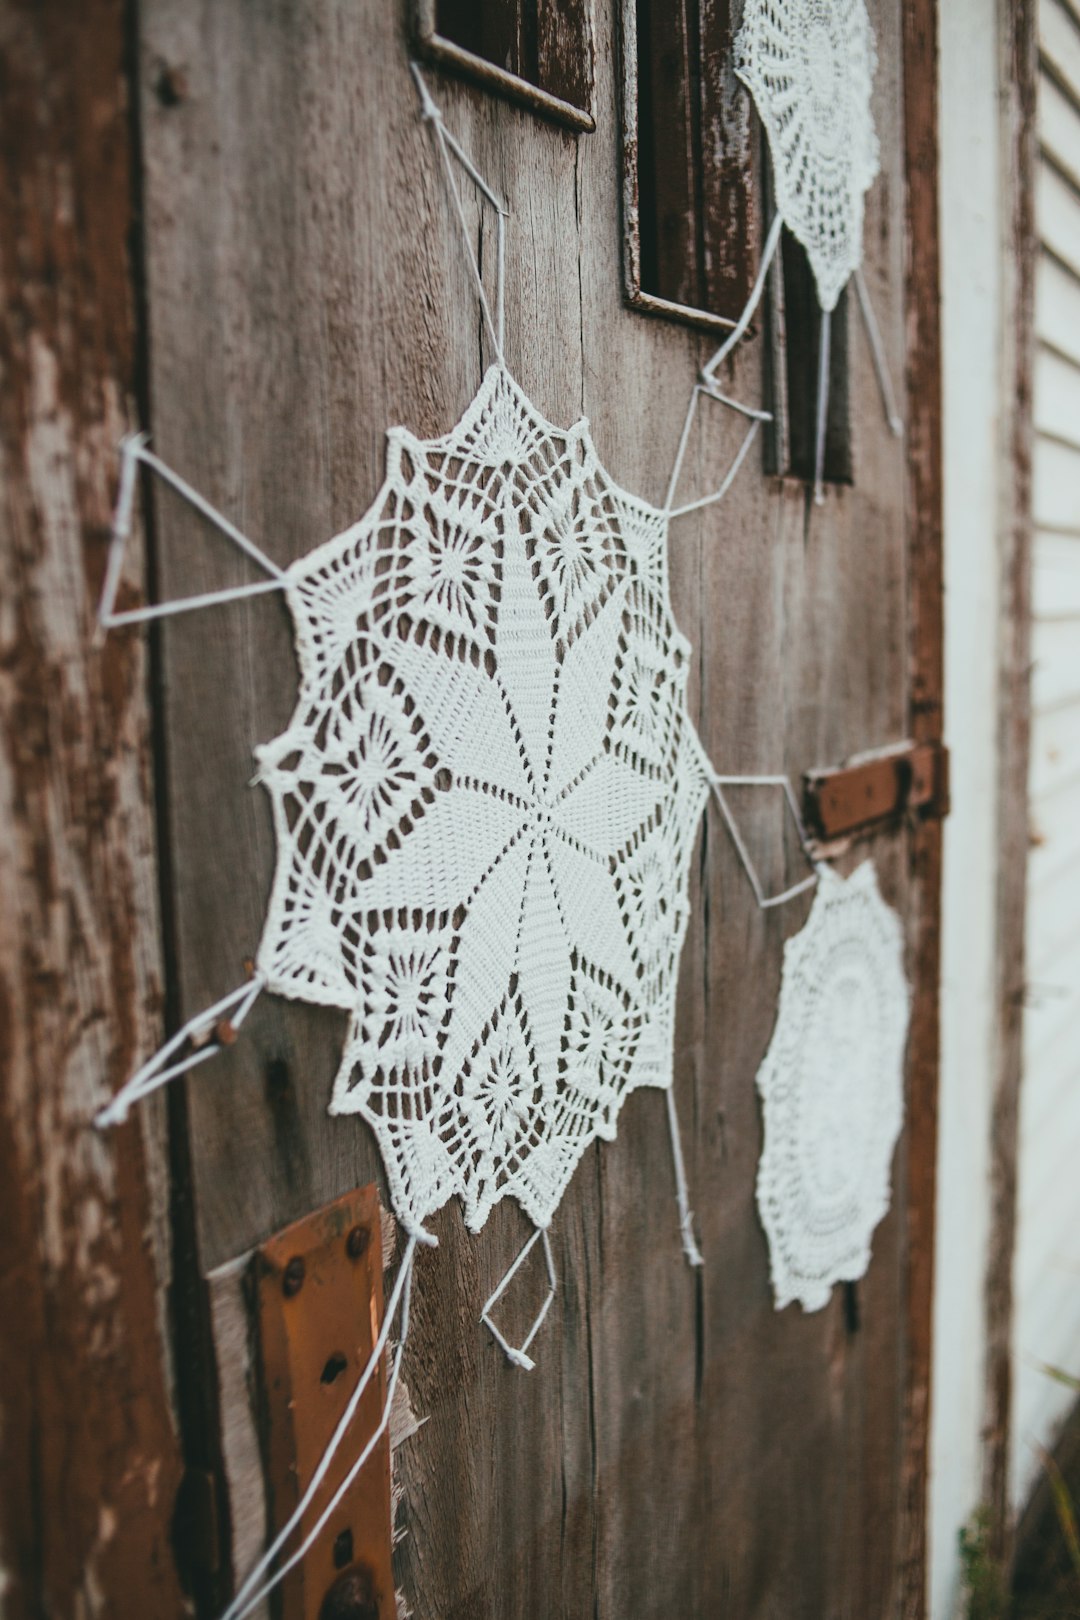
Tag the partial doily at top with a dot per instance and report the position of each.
(485, 806)
(832, 1089)
(809, 65)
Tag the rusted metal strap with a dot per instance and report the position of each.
(912, 779)
(319, 1302)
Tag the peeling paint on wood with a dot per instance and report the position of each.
(90, 1454)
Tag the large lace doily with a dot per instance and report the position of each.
(832, 1089)
(485, 805)
(809, 65)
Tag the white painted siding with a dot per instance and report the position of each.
(1047, 1264)
(972, 298)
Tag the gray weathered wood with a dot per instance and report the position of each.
(91, 1456)
(681, 1447)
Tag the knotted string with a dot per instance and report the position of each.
(519, 1354)
(258, 1584)
(157, 1071)
(133, 451)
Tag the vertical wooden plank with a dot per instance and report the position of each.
(91, 1463)
(1019, 56)
(307, 289)
(923, 440)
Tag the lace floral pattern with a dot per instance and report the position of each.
(485, 805)
(809, 65)
(831, 1088)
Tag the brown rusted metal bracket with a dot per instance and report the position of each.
(319, 1303)
(877, 789)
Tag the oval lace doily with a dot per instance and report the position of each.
(832, 1089)
(809, 65)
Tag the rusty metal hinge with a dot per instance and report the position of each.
(318, 1287)
(877, 789)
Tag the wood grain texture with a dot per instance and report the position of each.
(1020, 73)
(90, 1457)
(681, 1447)
(924, 528)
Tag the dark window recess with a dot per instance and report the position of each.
(538, 52)
(792, 346)
(689, 198)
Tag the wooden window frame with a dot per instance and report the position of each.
(435, 47)
(789, 451)
(637, 297)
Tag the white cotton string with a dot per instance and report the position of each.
(133, 451)
(877, 351)
(449, 145)
(157, 1072)
(519, 1354)
(686, 1214)
(738, 331)
(256, 1587)
(765, 902)
(188, 604)
(729, 478)
(121, 524)
(822, 407)
(756, 417)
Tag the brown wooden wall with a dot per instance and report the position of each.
(681, 1447)
(89, 1458)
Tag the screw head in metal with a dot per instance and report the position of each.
(352, 1597)
(293, 1277)
(357, 1242)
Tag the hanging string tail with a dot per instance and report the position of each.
(518, 1354)
(686, 1215)
(821, 420)
(877, 352)
(259, 1583)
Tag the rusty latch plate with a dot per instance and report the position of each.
(319, 1302)
(872, 791)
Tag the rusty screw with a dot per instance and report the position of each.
(357, 1242)
(352, 1596)
(293, 1279)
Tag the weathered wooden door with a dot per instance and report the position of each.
(681, 1448)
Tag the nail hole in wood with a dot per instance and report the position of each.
(335, 1366)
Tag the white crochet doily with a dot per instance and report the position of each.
(809, 65)
(485, 805)
(832, 1089)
